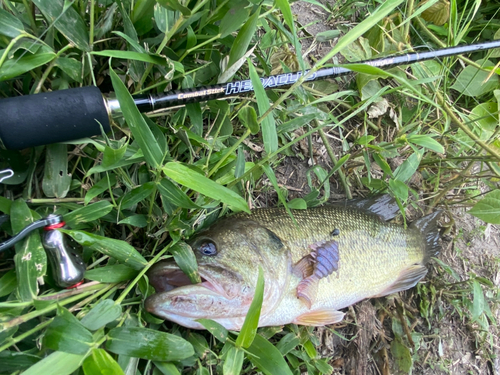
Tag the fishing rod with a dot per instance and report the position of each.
(58, 116)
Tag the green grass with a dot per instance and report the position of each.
(132, 196)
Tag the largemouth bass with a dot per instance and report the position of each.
(330, 258)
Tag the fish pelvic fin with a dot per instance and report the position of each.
(407, 279)
(429, 230)
(319, 317)
(307, 290)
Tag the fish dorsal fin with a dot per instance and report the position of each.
(319, 317)
(407, 279)
(384, 206)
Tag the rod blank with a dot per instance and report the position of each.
(65, 115)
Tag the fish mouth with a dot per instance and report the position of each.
(220, 294)
(167, 276)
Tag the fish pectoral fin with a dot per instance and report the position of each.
(407, 279)
(304, 267)
(319, 317)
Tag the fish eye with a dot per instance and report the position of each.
(208, 248)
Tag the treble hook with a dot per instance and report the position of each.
(10, 174)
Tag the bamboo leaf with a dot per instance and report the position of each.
(99, 362)
(197, 182)
(249, 328)
(30, 258)
(174, 195)
(67, 334)
(136, 56)
(67, 20)
(267, 358)
(137, 195)
(59, 363)
(186, 260)
(15, 67)
(148, 344)
(244, 38)
(138, 126)
(103, 313)
(56, 179)
(88, 213)
(216, 329)
(117, 249)
(488, 208)
(233, 361)
(248, 117)
(268, 124)
(111, 274)
(9, 25)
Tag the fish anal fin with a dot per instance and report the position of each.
(407, 279)
(319, 317)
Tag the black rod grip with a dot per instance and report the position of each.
(57, 116)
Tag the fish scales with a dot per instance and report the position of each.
(372, 252)
(368, 258)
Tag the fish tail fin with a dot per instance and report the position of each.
(428, 227)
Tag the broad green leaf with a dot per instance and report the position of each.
(13, 361)
(30, 258)
(288, 343)
(400, 189)
(139, 221)
(138, 126)
(284, 6)
(70, 66)
(148, 344)
(56, 179)
(327, 35)
(484, 120)
(248, 117)
(111, 274)
(478, 303)
(249, 328)
(239, 168)
(113, 155)
(9, 25)
(117, 249)
(402, 355)
(269, 134)
(382, 163)
(267, 358)
(233, 361)
(5, 205)
(67, 20)
(15, 67)
(297, 204)
(59, 363)
(174, 195)
(175, 5)
(197, 182)
(136, 56)
(186, 260)
(99, 362)
(167, 368)
(137, 195)
(8, 283)
(295, 123)
(88, 213)
(216, 329)
(426, 141)
(107, 182)
(67, 334)
(406, 170)
(233, 19)
(488, 208)
(103, 313)
(471, 80)
(243, 39)
(386, 8)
